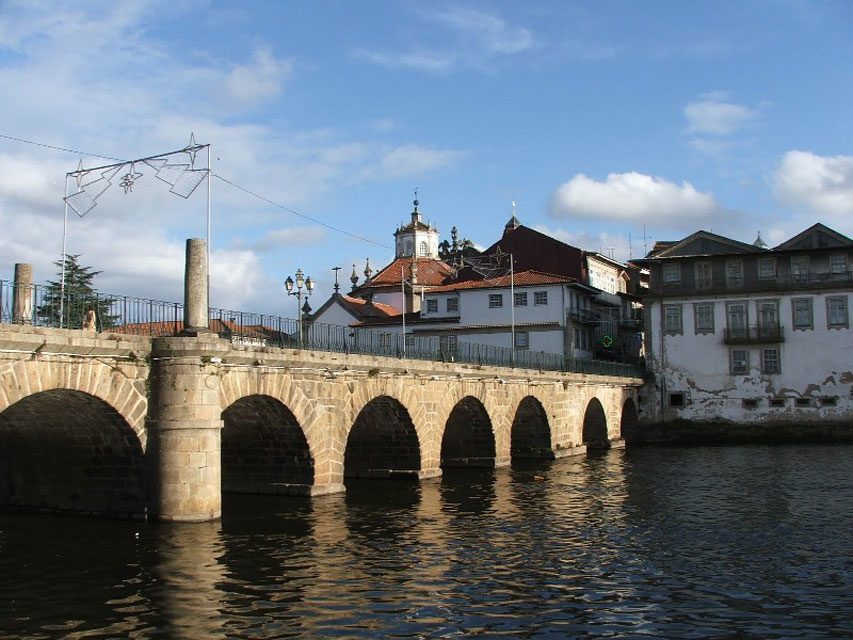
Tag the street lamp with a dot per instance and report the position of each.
(301, 281)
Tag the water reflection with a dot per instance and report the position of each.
(748, 541)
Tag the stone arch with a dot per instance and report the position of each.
(382, 442)
(67, 450)
(450, 397)
(279, 387)
(530, 435)
(264, 449)
(595, 426)
(468, 439)
(629, 425)
(120, 385)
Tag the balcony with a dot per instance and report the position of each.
(584, 316)
(754, 335)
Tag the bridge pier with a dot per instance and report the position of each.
(185, 429)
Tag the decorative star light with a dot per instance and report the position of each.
(128, 179)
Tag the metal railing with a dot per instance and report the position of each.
(754, 335)
(138, 316)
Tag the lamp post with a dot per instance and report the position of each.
(301, 281)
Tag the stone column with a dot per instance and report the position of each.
(22, 294)
(184, 428)
(196, 295)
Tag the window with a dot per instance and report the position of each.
(829, 401)
(800, 268)
(432, 305)
(750, 403)
(803, 402)
(770, 361)
(496, 300)
(768, 319)
(540, 297)
(672, 319)
(836, 312)
(777, 402)
(676, 399)
(521, 299)
(838, 264)
(408, 248)
(522, 339)
(739, 362)
(422, 248)
(802, 313)
(703, 317)
(766, 268)
(703, 275)
(734, 274)
(453, 304)
(671, 274)
(736, 317)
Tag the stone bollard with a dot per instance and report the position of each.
(22, 294)
(184, 428)
(196, 294)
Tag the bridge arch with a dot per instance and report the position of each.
(595, 426)
(264, 449)
(469, 439)
(382, 442)
(70, 451)
(629, 429)
(120, 386)
(530, 435)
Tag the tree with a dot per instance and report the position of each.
(79, 298)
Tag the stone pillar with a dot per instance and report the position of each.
(22, 294)
(196, 295)
(184, 428)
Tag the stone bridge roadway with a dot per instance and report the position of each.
(124, 425)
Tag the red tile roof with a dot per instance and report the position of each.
(523, 279)
(359, 307)
(430, 272)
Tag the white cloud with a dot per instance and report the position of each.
(290, 236)
(414, 160)
(817, 183)
(715, 115)
(633, 197)
(260, 80)
(420, 60)
(492, 32)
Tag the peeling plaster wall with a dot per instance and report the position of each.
(815, 383)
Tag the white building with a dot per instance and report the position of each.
(737, 333)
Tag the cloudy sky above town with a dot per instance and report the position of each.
(610, 124)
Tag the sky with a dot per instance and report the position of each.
(610, 124)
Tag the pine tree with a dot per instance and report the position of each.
(79, 297)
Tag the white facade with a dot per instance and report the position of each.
(771, 345)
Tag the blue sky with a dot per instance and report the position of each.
(602, 120)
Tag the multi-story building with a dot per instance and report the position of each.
(738, 333)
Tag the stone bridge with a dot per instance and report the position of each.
(123, 425)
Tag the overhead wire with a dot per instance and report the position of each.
(223, 179)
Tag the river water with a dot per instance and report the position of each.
(747, 541)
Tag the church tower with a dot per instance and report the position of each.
(416, 239)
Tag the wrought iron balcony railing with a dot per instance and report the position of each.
(754, 335)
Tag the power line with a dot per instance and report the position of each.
(225, 180)
(50, 146)
(301, 215)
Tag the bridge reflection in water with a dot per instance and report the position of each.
(669, 542)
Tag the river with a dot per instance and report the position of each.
(741, 541)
